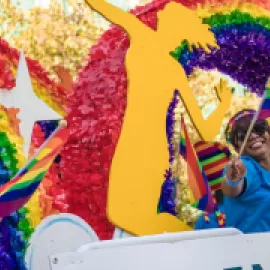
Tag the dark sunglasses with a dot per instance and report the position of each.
(260, 127)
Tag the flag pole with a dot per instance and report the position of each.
(254, 119)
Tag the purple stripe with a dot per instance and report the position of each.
(210, 150)
(264, 114)
(214, 175)
(204, 155)
(7, 208)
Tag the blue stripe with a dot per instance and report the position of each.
(20, 193)
(24, 171)
(266, 104)
(203, 203)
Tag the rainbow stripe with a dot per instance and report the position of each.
(18, 191)
(196, 177)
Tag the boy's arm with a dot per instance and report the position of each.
(233, 183)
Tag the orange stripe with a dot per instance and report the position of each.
(193, 184)
(216, 168)
(216, 163)
(57, 141)
(46, 159)
(202, 147)
(8, 185)
(43, 164)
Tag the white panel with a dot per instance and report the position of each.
(156, 252)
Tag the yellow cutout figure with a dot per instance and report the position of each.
(141, 155)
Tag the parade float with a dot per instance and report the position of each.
(216, 63)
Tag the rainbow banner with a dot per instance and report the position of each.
(15, 193)
(196, 177)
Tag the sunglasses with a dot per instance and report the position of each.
(260, 127)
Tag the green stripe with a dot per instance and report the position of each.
(267, 92)
(183, 141)
(195, 204)
(236, 17)
(32, 164)
(217, 181)
(29, 182)
(200, 165)
(212, 159)
(38, 178)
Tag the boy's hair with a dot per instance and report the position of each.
(240, 120)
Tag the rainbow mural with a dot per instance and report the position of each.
(78, 180)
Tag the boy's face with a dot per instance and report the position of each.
(258, 143)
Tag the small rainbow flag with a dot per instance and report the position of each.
(15, 193)
(265, 109)
(196, 177)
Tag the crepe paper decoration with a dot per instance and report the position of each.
(7, 79)
(13, 119)
(167, 201)
(17, 192)
(14, 229)
(65, 77)
(238, 35)
(31, 108)
(48, 90)
(196, 176)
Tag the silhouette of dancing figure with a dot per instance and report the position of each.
(141, 155)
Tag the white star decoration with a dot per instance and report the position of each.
(31, 108)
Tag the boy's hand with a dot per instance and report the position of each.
(236, 169)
